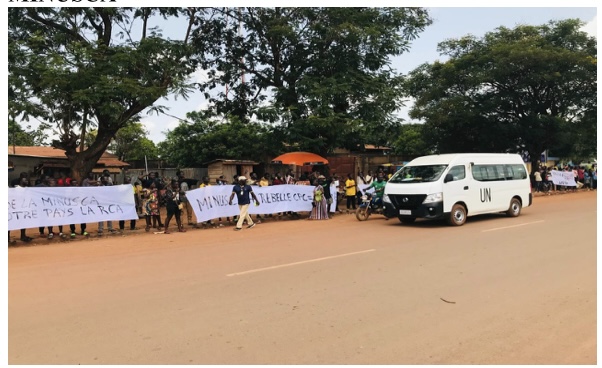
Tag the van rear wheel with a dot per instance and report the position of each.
(515, 208)
(457, 216)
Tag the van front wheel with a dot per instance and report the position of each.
(457, 216)
(515, 208)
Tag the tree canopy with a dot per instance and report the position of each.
(18, 136)
(409, 140)
(525, 89)
(194, 143)
(86, 68)
(130, 143)
(322, 74)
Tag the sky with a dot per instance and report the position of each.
(448, 22)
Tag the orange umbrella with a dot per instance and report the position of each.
(300, 159)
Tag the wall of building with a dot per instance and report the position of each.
(22, 164)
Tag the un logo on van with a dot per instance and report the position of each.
(405, 199)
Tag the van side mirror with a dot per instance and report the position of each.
(448, 178)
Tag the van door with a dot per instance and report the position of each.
(458, 189)
(486, 191)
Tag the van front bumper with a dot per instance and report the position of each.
(428, 211)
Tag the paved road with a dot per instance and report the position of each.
(495, 291)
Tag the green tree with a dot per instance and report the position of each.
(84, 68)
(18, 136)
(513, 90)
(322, 74)
(192, 144)
(132, 143)
(409, 141)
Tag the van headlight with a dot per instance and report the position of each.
(386, 199)
(432, 198)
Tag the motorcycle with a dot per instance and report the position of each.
(368, 207)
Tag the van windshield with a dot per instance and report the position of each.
(418, 174)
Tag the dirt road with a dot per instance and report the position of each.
(495, 291)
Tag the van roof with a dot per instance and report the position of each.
(446, 159)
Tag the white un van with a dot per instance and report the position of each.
(455, 186)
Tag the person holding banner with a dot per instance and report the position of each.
(74, 183)
(128, 181)
(319, 209)
(173, 206)
(255, 183)
(183, 189)
(48, 181)
(204, 184)
(243, 192)
(23, 182)
(89, 180)
(221, 181)
(104, 181)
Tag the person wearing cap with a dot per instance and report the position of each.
(243, 192)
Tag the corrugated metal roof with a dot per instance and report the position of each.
(35, 151)
(107, 159)
(233, 162)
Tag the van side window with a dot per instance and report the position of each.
(458, 172)
(518, 172)
(498, 172)
(509, 172)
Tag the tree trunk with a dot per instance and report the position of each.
(535, 160)
(81, 163)
(81, 166)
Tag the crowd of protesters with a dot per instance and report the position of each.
(585, 178)
(156, 196)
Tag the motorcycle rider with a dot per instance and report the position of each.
(379, 189)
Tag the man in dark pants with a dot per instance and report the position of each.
(350, 192)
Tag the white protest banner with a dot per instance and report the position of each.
(564, 178)
(283, 198)
(51, 206)
(212, 202)
(362, 188)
